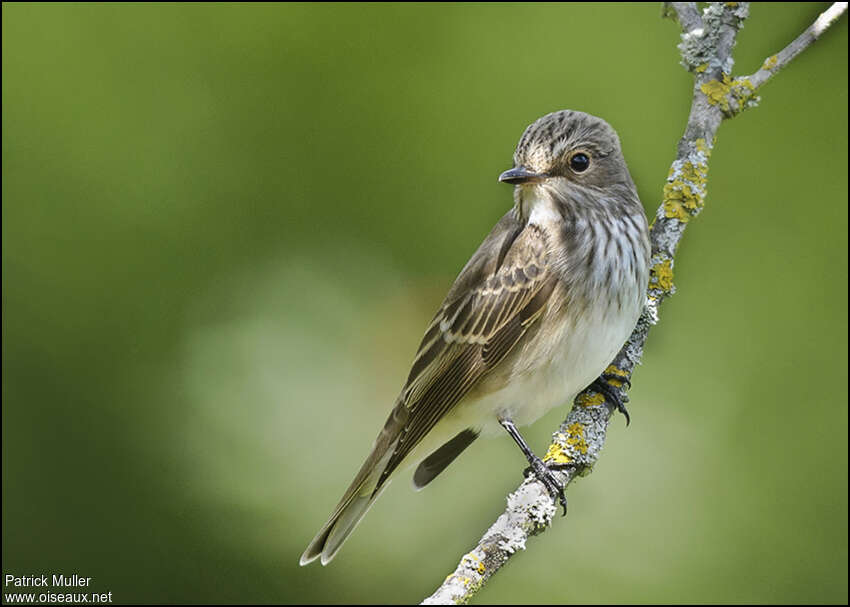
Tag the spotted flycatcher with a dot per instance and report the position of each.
(534, 317)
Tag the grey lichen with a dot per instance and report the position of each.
(697, 49)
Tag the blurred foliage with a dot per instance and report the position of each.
(225, 227)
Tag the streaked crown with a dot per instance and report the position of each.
(572, 144)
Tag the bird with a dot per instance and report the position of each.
(534, 317)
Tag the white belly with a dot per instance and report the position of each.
(574, 355)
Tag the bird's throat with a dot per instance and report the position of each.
(535, 205)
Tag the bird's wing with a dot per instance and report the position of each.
(500, 292)
(493, 302)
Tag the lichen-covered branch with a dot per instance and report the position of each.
(706, 49)
(686, 13)
(776, 62)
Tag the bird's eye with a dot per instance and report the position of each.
(579, 162)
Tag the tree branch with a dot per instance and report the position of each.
(687, 14)
(776, 62)
(706, 50)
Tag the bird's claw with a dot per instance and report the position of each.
(544, 474)
(612, 394)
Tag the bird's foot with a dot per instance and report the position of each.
(538, 467)
(613, 394)
(544, 474)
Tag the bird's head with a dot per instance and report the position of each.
(568, 147)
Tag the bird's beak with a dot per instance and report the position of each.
(518, 175)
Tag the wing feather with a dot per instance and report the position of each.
(484, 317)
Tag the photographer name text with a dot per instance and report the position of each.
(40, 581)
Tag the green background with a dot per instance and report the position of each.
(225, 228)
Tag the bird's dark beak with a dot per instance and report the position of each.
(518, 175)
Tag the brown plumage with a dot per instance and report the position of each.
(534, 316)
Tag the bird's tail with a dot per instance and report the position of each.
(334, 533)
(353, 506)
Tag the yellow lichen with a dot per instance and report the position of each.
(716, 91)
(743, 91)
(585, 400)
(473, 562)
(721, 92)
(673, 203)
(701, 68)
(615, 370)
(685, 188)
(661, 276)
(574, 441)
(770, 62)
(466, 581)
(556, 452)
(575, 437)
(691, 175)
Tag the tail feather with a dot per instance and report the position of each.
(314, 550)
(347, 522)
(435, 463)
(353, 506)
(332, 536)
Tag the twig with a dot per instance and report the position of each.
(706, 50)
(776, 62)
